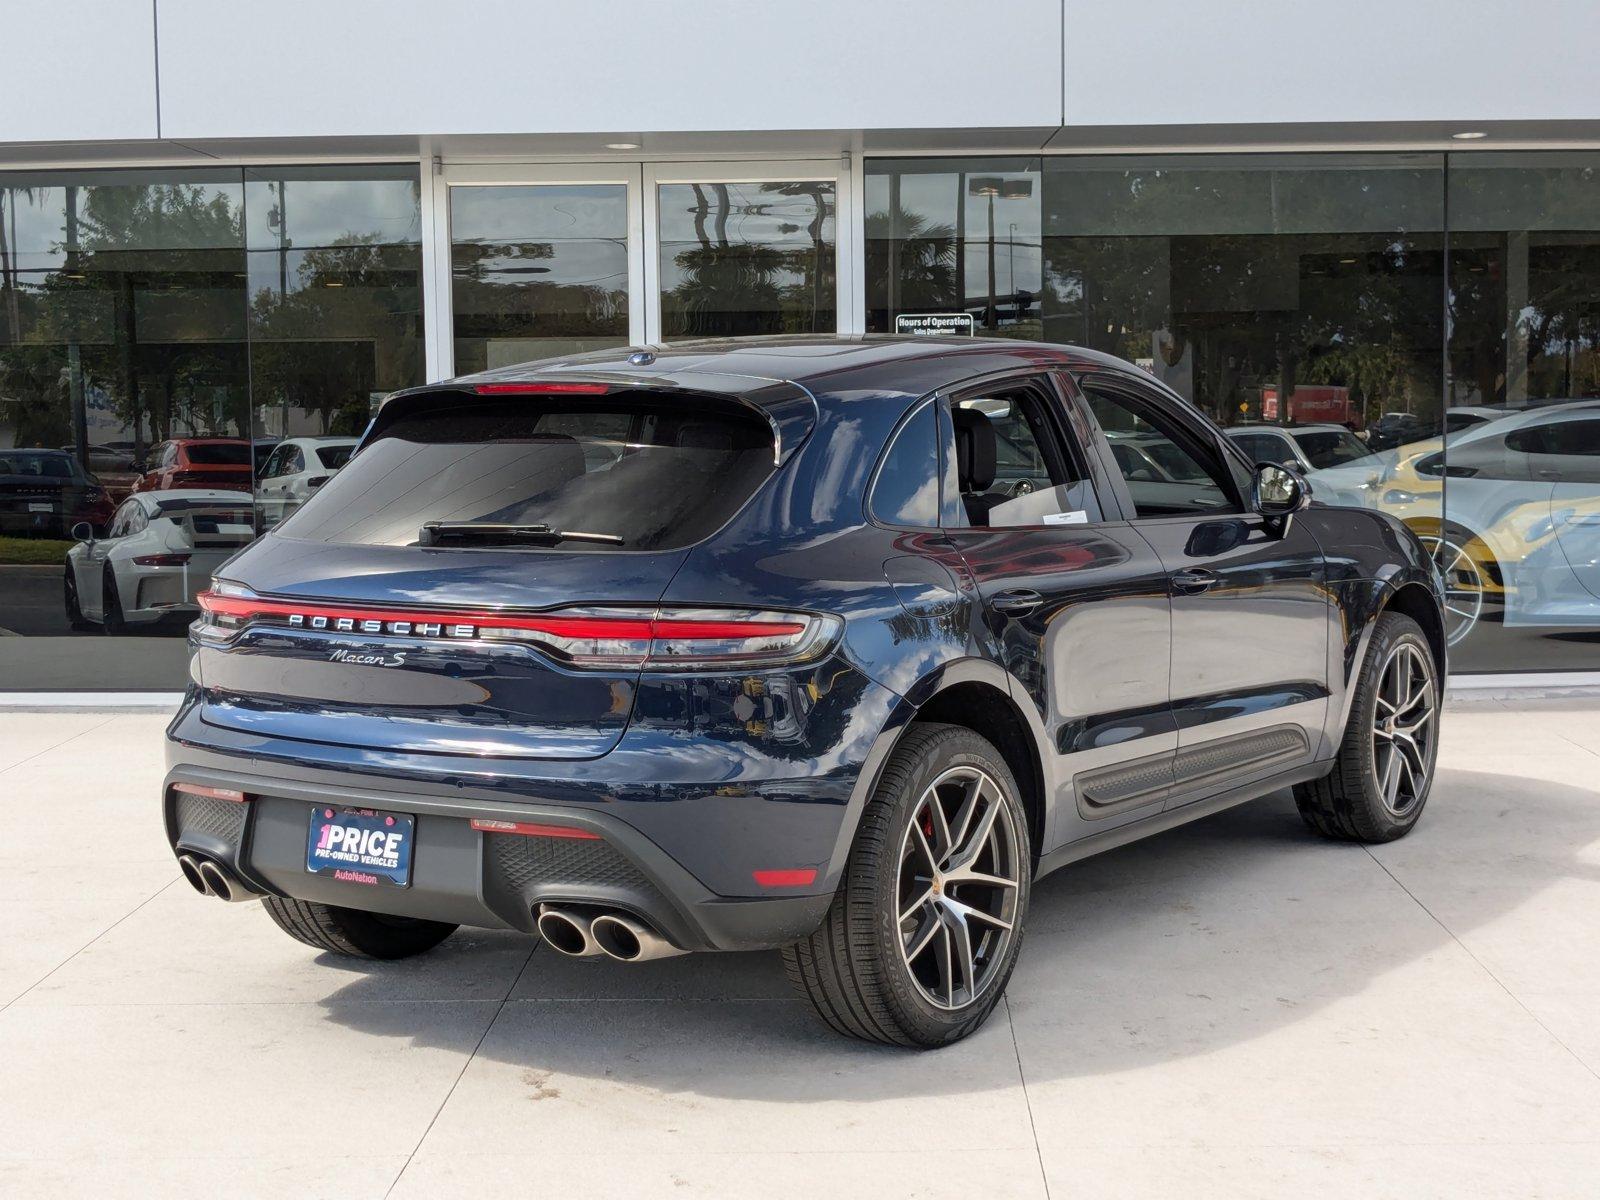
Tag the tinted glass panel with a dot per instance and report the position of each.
(636, 474)
(537, 271)
(235, 454)
(740, 259)
(122, 324)
(958, 237)
(1165, 474)
(143, 316)
(1522, 493)
(907, 488)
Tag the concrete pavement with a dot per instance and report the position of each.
(1235, 1009)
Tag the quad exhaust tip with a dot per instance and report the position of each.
(614, 935)
(212, 879)
(627, 940)
(567, 931)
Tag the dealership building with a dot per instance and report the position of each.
(227, 231)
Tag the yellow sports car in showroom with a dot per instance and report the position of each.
(1511, 510)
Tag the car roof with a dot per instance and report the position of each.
(1522, 417)
(878, 363)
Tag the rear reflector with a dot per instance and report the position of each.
(215, 793)
(529, 829)
(541, 389)
(786, 877)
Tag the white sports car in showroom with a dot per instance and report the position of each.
(159, 551)
(294, 470)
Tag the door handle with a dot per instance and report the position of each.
(1192, 580)
(1015, 602)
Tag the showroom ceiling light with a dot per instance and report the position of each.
(1469, 135)
(622, 145)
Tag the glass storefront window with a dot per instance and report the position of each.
(955, 237)
(1303, 302)
(160, 333)
(1522, 471)
(537, 270)
(743, 259)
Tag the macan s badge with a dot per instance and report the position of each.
(356, 658)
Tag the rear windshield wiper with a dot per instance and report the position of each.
(435, 532)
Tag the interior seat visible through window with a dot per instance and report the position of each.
(1011, 467)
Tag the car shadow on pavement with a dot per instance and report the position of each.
(1178, 946)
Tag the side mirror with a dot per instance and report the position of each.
(83, 532)
(1277, 493)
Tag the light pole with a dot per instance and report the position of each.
(990, 186)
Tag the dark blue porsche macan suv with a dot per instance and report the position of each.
(831, 646)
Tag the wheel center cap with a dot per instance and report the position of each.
(938, 886)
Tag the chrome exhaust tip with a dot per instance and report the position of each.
(216, 882)
(567, 932)
(224, 884)
(627, 940)
(190, 867)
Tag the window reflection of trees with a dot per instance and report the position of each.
(745, 272)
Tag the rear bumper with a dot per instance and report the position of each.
(468, 877)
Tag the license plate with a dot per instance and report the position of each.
(40, 507)
(361, 845)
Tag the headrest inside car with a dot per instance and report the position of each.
(975, 449)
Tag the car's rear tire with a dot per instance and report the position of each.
(111, 618)
(75, 617)
(353, 933)
(1384, 771)
(925, 928)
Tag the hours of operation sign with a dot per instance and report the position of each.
(934, 324)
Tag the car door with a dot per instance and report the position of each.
(1074, 600)
(1251, 617)
(91, 570)
(1563, 453)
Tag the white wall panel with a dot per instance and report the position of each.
(311, 67)
(1193, 62)
(77, 70)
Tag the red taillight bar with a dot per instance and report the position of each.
(631, 628)
(215, 793)
(542, 389)
(531, 829)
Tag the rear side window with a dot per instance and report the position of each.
(635, 472)
(906, 491)
(334, 457)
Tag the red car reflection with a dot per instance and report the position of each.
(197, 463)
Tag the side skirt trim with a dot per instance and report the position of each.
(1110, 839)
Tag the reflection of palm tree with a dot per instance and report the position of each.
(733, 288)
(914, 257)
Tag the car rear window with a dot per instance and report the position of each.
(217, 454)
(1332, 447)
(634, 472)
